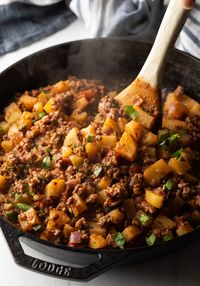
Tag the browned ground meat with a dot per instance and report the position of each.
(77, 169)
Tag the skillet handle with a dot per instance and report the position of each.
(103, 262)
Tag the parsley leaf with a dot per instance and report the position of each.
(37, 227)
(119, 240)
(130, 111)
(178, 154)
(151, 239)
(23, 207)
(17, 196)
(143, 218)
(168, 237)
(11, 216)
(46, 163)
(90, 138)
(166, 140)
(168, 185)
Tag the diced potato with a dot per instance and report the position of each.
(12, 113)
(57, 219)
(96, 228)
(91, 149)
(102, 196)
(134, 129)
(55, 188)
(4, 126)
(3, 183)
(78, 206)
(184, 229)
(76, 160)
(38, 107)
(80, 117)
(104, 183)
(144, 118)
(148, 138)
(25, 120)
(28, 219)
(129, 206)
(85, 132)
(14, 128)
(67, 230)
(154, 173)
(50, 106)
(7, 145)
(173, 124)
(110, 126)
(178, 166)
(97, 241)
(162, 222)
(17, 137)
(43, 97)
(154, 199)
(195, 110)
(108, 141)
(27, 101)
(195, 215)
(80, 103)
(127, 147)
(130, 232)
(61, 86)
(87, 93)
(189, 102)
(72, 138)
(121, 123)
(116, 216)
(66, 151)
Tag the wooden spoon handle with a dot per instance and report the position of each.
(172, 23)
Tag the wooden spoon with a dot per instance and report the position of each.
(144, 91)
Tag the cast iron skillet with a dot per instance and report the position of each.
(109, 60)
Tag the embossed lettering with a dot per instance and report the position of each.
(60, 270)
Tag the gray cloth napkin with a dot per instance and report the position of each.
(22, 24)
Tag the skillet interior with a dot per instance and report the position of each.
(115, 62)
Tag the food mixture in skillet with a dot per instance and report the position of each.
(79, 170)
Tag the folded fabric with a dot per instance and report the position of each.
(22, 24)
(139, 19)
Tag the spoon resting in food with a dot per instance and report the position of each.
(144, 91)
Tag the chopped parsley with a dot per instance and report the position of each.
(46, 163)
(143, 218)
(23, 207)
(48, 150)
(168, 185)
(119, 239)
(150, 240)
(89, 172)
(90, 138)
(166, 140)
(12, 216)
(178, 154)
(54, 157)
(40, 115)
(130, 111)
(37, 227)
(75, 146)
(168, 237)
(17, 196)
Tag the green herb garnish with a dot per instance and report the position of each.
(130, 111)
(90, 138)
(178, 154)
(168, 185)
(54, 157)
(75, 146)
(167, 140)
(143, 218)
(12, 216)
(46, 163)
(37, 227)
(97, 171)
(168, 237)
(48, 150)
(23, 207)
(119, 240)
(17, 196)
(89, 172)
(40, 115)
(151, 239)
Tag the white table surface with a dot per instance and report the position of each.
(179, 269)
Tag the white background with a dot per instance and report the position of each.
(178, 269)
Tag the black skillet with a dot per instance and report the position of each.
(115, 62)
